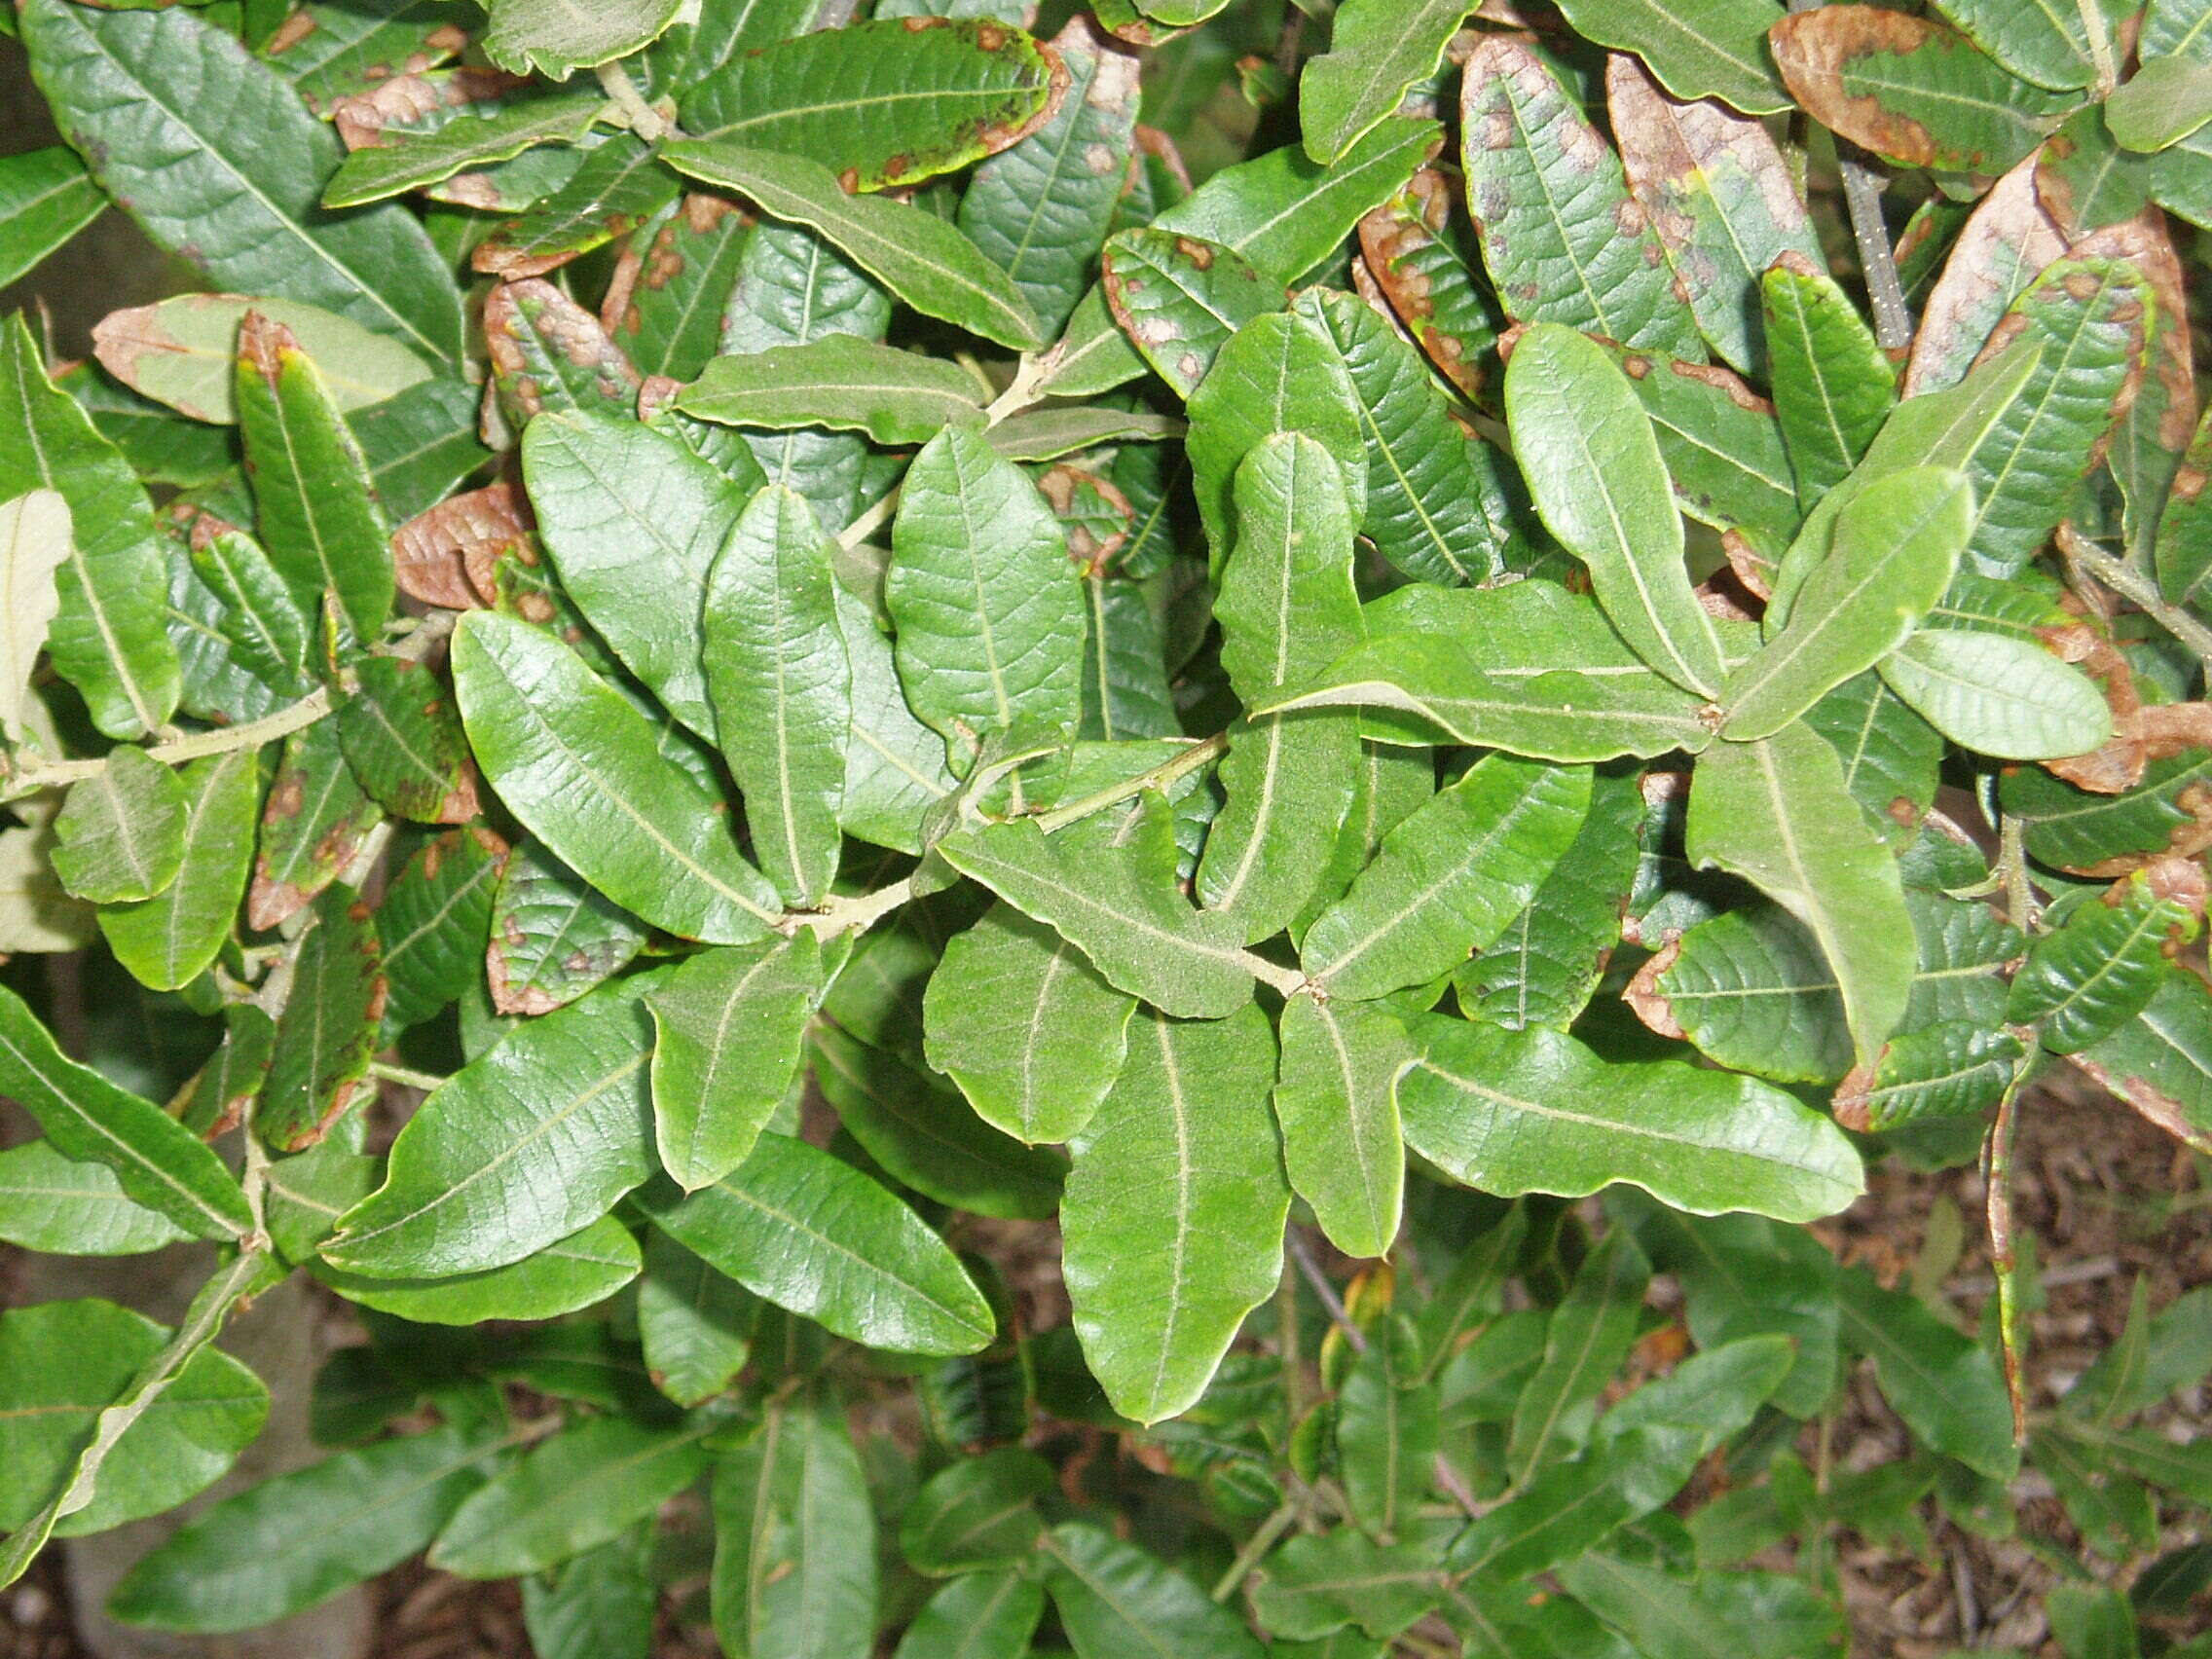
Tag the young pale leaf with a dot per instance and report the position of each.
(988, 609)
(63, 1364)
(892, 100)
(103, 556)
(1832, 384)
(287, 1544)
(516, 1151)
(576, 763)
(1563, 240)
(1025, 1027)
(158, 1163)
(554, 38)
(1109, 889)
(1776, 812)
(1998, 695)
(58, 1205)
(633, 520)
(1449, 879)
(794, 1538)
(1717, 188)
(318, 514)
(581, 1487)
(183, 351)
(980, 1512)
(1335, 1106)
(1942, 1383)
(1376, 54)
(840, 383)
(695, 1323)
(1912, 90)
(1587, 448)
(330, 1026)
(782, 688)
(46, 198)
(1894, 549)
(1174, 1212)
(1042, 207)
(919, 257)
(168, 940)
(982, 1616)
(1179, 299)
(729, 1027)
(1114, 1598)
(230, 177)
(34, 545)
(1588, 1336)
(1513, 1112)
(813, 1235)
(120, 835)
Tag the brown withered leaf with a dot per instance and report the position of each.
(1752, 568)
(2118, 765)
(2004, 247)
(364, 119)
(1427, 276)
(549, 352)
(2154, 434)
(445, 556)
(1647, 1002)
(1096, 516)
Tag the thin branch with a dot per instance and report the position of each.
(646, 122)
(2139, 590)
(843, 915)
(869, 522)
(1159, 777)
(1878, 261)
(283, 723)
(1998, 1180)
(407, 1076)
(1302, 1253)
(1256, 1546)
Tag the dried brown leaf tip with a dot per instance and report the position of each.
(2005, 245)
(265, 344)
(1428, 282)
(448, 554)
(1647, 1001)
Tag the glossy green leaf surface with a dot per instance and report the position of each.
(67, 1208)
(1375, 55)
(168, 940)
(1114, 1598)
(1335, 1105)
(46, 198)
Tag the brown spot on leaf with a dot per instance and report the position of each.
(289, 33)
(2005, 242)
(447, 554)
(529, 317)
(1647, 1001)
(265, 344)
(1816, 50)
(406, 101)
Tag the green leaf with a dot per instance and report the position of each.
(1776, 813)
(2164, 102)
(1513, 1112)
(2160, 1061)
(1588, 1336)
(1565, 1510)
(795, 1539)
(1283, 214)
(977, 1513)
(107, 639)
(584, 1487)
(318, 515)
(515, 1150)
(404, 742)
(1277, 373)
(688, 259)
(1834, 386)
(842, 383)
(782, 688)
(895, 766)
(1945, 1070)
(2004, 244)
(1717, 51)
(919, 257)
(1449, 879)
(983, 1615)
(54, 1204)
(229, 173)
(1025, 1027)
(1895, 547)
(1426, 481)
(286, 1544)
(729, 1026)
(232, 1079)
(1179, 299)
(1944, 1385)
(1388, 1436)
(1109, 889)
(2061, 47)
(1421, 254)
(421, 445)
(2074, 829)
(1563, 240)
(1912, 91)
(1046, 434)
(1335, 1104)
(602, 1604)
(473, 137)
(62, 1363)
(169, 940)
(554, 38)
(2099, 969)
(815, 1235)
(891, 102)
(576, 763)
(434, 921)
(1750, 990)
(1586, 448)
(349, 51)
(267, 631)
(1377, 54)
(618, 186)
(1125, 675)
(1174, 1211)
(1998, 695)
(988, 609)
(579, 1271)
(183, 351)
(548, 352)
(329, 1028)
(1550, 958)
(1715, 1393)
(34, 544)
(120, 833)
(924, 1135)
(1042, 207)
(1527, 668)
(696, 1324)
(1114, 1598)
(46, 198)
(552, 935)
(1319, 1583)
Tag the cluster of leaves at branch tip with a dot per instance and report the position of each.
(740, 648)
